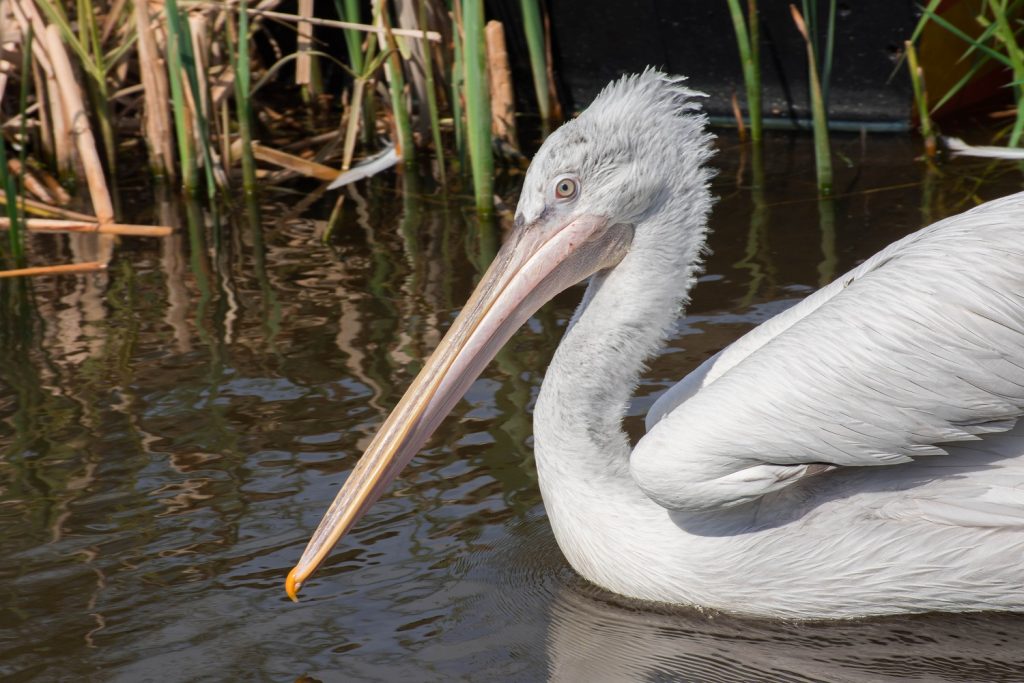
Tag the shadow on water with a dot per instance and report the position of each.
(172, 429)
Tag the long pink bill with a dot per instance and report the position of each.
(538, 261)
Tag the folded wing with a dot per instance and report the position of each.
(921, 345)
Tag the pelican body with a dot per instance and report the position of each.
(855, 455)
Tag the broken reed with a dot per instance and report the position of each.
(196, 55)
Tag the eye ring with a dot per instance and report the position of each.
(566, 188)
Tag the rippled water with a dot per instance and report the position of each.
(172, 430)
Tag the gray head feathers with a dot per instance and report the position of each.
(642, 142)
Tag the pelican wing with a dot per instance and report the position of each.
(921, 345)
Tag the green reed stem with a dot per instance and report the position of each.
(747, 35)
(478, 106)
(14, 234)
(99, 95)
(754, 93)
(186, 154)
(921, 100)
(1005, 35)
(976, 44)
(830, 43)
(822, 151)
(458, 81)
(95, 64)
(243, 102)
(17, 231)
(396, 88)
(188, 62)
(348, 10)
(435, 119)
(533, 25)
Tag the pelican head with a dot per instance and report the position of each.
(624, 178)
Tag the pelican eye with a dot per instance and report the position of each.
(566, 188)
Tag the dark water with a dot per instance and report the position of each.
(172, 430)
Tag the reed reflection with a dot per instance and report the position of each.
(757, 258)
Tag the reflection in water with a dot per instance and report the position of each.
(827, 224)
(757, 258)
(594, 637)
(171, 429)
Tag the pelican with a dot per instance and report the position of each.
(855, 455)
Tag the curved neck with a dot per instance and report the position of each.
(624, 318)
(607, 528)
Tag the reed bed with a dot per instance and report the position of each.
(87, 86)
(995, 44)
(101, 80)
(179, 77)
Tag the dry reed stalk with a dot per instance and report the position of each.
(85, 142)
(63, 145)
(5, 18)
(45, 130)
(223, 87)
(193, 110)
(503, 103)
(199, 30)
(65, 269)
(156, 93)
(556, 104)
(394, 75)
(129, 92)
(333, 23)
(5, 68)
(406, 11)
(27, 15)
(110, 22)
(288, 161)
(225, 138)
(737, 115)
(59, 194)
(56, 133)
(197, 26)
(351, 129)
(58, 225)
(304, 43)
(30, 182)
(34, 206)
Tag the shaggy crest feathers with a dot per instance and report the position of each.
(652, 94)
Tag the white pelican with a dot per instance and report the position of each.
(855, 455)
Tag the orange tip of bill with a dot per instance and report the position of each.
(292, 586)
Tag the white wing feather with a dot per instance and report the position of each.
(921, 345)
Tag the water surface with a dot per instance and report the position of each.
(172, 430)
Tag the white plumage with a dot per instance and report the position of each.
(855, 455)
